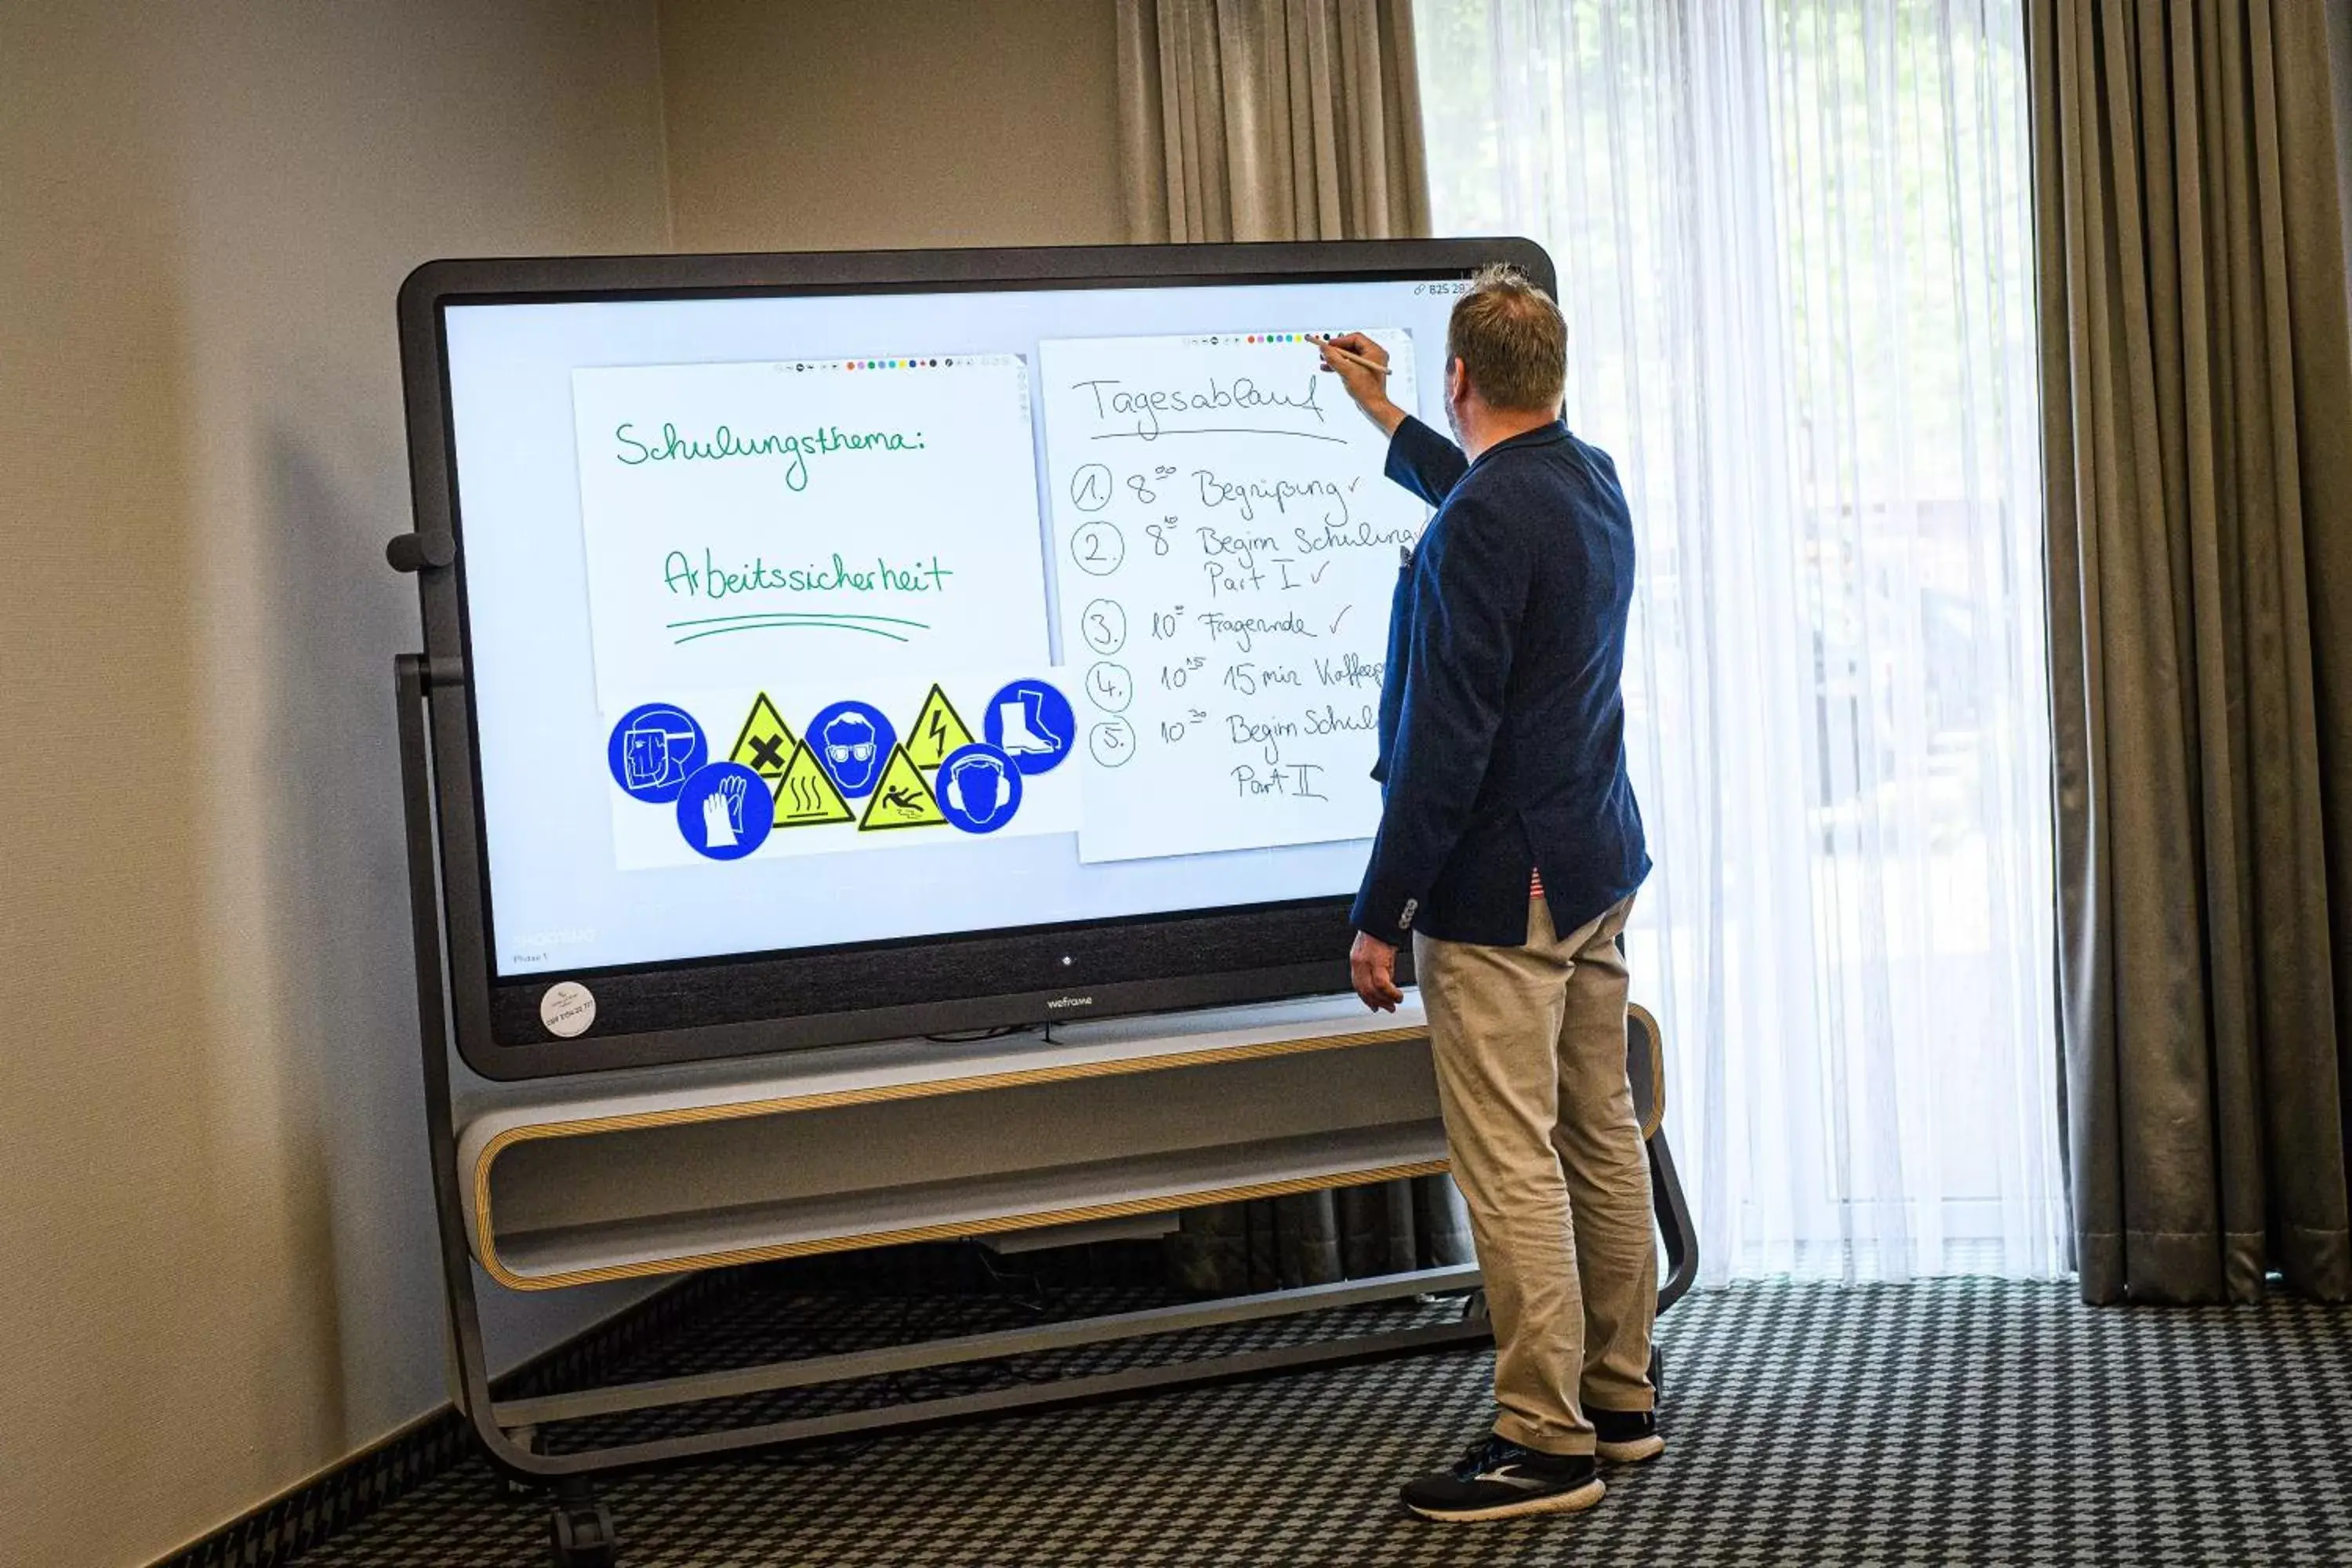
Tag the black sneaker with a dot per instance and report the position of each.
(1499, 1479)
(1625, 1437)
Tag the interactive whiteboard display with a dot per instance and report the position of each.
(806, 622)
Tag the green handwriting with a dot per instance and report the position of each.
(724, 442)
(711, 580)
(889, 626)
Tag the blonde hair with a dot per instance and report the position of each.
(1512, 342)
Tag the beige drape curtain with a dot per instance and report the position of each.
(2198, 409)
(1256, 120)
(1248, 120)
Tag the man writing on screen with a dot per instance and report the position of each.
(1508, 853)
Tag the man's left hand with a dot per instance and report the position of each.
(1371, 963)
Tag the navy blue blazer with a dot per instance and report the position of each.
(1501, 725)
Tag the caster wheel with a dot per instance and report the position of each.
(1657, 1372)
(580, 1535)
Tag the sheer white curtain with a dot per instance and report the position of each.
(1794, 251)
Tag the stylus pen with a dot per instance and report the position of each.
(1350, 355)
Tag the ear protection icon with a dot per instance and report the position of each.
(987, 779)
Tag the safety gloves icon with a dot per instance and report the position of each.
(722, 814)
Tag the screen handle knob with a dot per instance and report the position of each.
(418, 551)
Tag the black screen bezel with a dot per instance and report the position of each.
(749, 1004)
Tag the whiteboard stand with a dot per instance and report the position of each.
(899, 1077)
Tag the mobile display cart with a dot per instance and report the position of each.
(571, 1182)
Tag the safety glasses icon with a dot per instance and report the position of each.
(863, 754)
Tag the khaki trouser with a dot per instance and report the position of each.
(1529, 1044)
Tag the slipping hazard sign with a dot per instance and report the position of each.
(805, 796)
(766, 744)
(903, 798)
(938, 730)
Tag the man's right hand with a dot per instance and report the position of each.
(1371, 968)
(1363, 367)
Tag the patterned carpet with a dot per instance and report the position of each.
(1959, 1421)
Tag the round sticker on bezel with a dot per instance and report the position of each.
(567, 1009)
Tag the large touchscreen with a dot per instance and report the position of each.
(811, 621)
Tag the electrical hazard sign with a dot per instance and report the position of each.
(938, 731)
(766, 744)
(805, 796)
(902, 799)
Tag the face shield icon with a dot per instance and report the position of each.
(978, 787)
(852, 753)
(655, 752)
(653, 749)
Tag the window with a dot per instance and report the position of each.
(1793, 239)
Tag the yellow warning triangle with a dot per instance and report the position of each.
(938, 730)
(804, 794)
(903, 798)
(765, 746)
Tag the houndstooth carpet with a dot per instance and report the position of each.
(1956, 1421)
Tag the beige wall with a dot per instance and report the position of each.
(216, 1270)
(840, 124)
(215, 1264)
